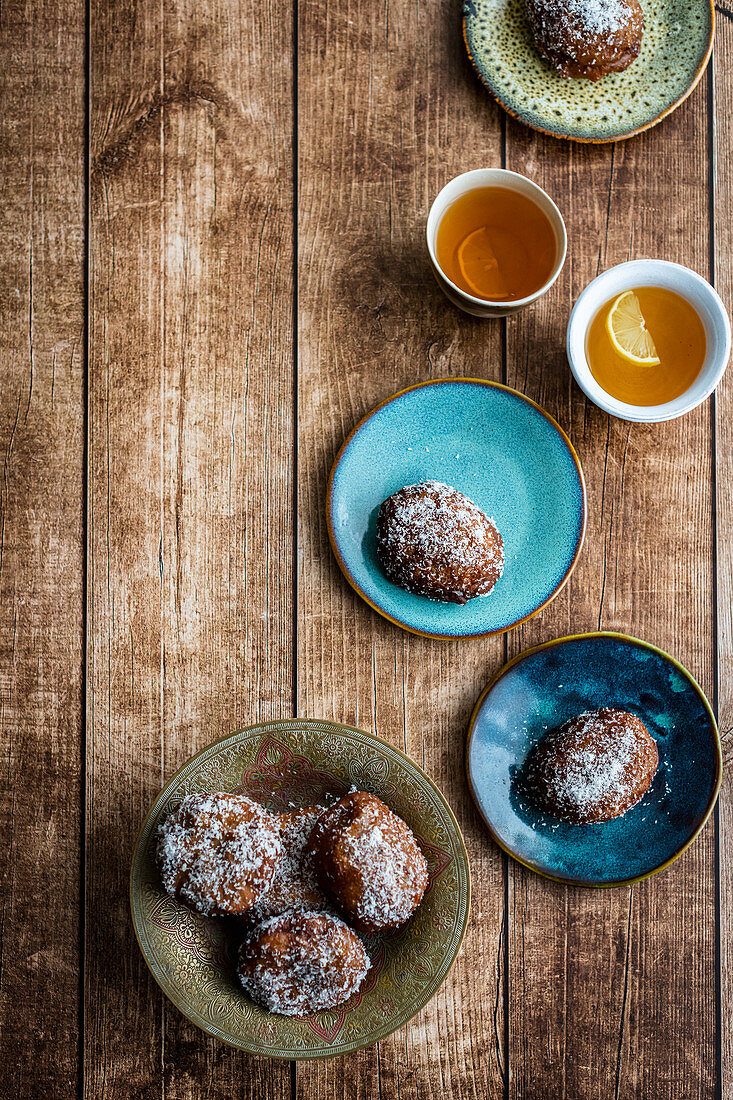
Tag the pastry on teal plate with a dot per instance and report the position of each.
(676, 47)
(540, 690)
(498, 448)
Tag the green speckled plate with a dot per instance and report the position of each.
(282, 764)
(678, 39)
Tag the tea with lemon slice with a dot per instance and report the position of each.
(646, 346)
(496, 244)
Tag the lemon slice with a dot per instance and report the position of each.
(479, 265)
(627, 329)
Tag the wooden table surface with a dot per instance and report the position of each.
(212, 266)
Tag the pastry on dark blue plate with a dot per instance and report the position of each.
(593, 768)
(544, 773)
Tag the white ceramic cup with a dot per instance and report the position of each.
(690, 286)
(493, 177)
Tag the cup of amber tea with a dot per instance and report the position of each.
(648, 340)
(496, 240)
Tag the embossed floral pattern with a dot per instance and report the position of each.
(283, 764)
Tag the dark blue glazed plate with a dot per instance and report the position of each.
(543, 687)
(501, 450)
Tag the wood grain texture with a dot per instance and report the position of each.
(200, 486)
(612, 993)
(388, 112)
(190, 458)
(722, 198)
(41, 540)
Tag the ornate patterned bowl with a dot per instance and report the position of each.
(283, 765)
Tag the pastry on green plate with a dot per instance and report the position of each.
(674, 51)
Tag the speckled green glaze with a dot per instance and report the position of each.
(678, 38)
(281, 765)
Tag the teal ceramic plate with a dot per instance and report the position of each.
(678, 39)
(282, 765)
(541, 689)
(501, 450)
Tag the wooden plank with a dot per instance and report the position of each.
(41, 540)
(190, 459)
(721, 207)
(611, 992)
(388, 112)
